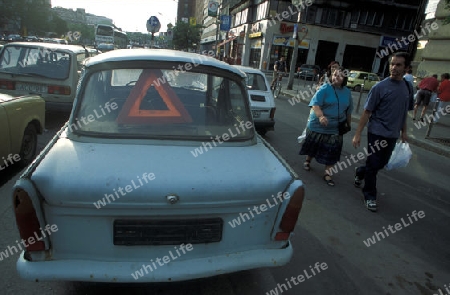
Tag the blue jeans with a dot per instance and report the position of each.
(377, 158)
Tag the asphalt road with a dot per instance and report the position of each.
(332, 229)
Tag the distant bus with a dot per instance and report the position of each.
(107, 34)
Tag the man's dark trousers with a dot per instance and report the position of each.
(376, 160)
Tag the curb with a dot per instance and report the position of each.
(428, 145)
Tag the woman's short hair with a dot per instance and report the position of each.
(446, 76)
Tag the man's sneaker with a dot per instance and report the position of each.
(358, 181)
(371, 205)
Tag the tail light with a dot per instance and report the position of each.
(65, 90)
(8, 85)
(290, 216)
(27, 221)
(272, 113)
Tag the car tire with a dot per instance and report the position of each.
(29, 145)
(357, 88)
(261, 132)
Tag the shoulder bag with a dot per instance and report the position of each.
(344, 127)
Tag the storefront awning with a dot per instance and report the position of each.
(226, 41)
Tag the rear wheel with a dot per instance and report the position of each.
(277, 90)
(357, 88)
(29, 145)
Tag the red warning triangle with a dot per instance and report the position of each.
(131, 114)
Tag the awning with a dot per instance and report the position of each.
(226, 41)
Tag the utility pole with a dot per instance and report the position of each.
(216, 7)
(295, 52)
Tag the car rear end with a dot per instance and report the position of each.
(36, 68)
(111, 201)
(140, 236)
(262, 102)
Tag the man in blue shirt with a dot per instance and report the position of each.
(385, 113)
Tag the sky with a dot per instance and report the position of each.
(431, 8)
(130, 15)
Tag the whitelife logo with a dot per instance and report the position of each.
(206, 146)
(31, 240)
(243, 217)
(318, 267)
(162, 261)
(146, 177)
(398, 226)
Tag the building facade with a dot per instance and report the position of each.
(358, 34)
(435, 58)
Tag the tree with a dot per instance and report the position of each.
(84, 33)
(185, 35)
(35, 17)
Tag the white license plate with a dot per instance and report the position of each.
(32, 88)
(256, 114)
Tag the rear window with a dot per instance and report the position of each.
(256, 82)
(34, 61)
(162, 103)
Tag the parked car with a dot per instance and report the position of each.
(50, 70)
(14, 38)
(21, 119)
(262, 102)
(159, 161)
(357, 78)
(31, 39)
(308, 72)
(57, 41)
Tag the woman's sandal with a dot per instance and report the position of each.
(328, 180)
(306, 165)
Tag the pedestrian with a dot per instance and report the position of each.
(326, 77)
(385, 113)
(409, 77)
(279, 66)
(330, 105)
(444, 95)
(426, 87)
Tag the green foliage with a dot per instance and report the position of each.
(185, 36)
(447, 6)
(32, 17)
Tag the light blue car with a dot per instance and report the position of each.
(158, 176)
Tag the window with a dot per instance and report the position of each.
(332, 17)
(402, 22)
(367, 17)
(309, 16)
(363, 17)
(163, 103)
(261, 11)
(37, 62)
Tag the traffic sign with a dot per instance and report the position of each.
(153, 24)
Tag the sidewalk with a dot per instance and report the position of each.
(437, 141)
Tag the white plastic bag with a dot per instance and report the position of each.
(400, 156)
(302, 137)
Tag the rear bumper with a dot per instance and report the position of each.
(58, 106)
(121, 271)
(268, 124)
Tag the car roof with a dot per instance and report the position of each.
(161, 55)
(247, 69)
(50, 46)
